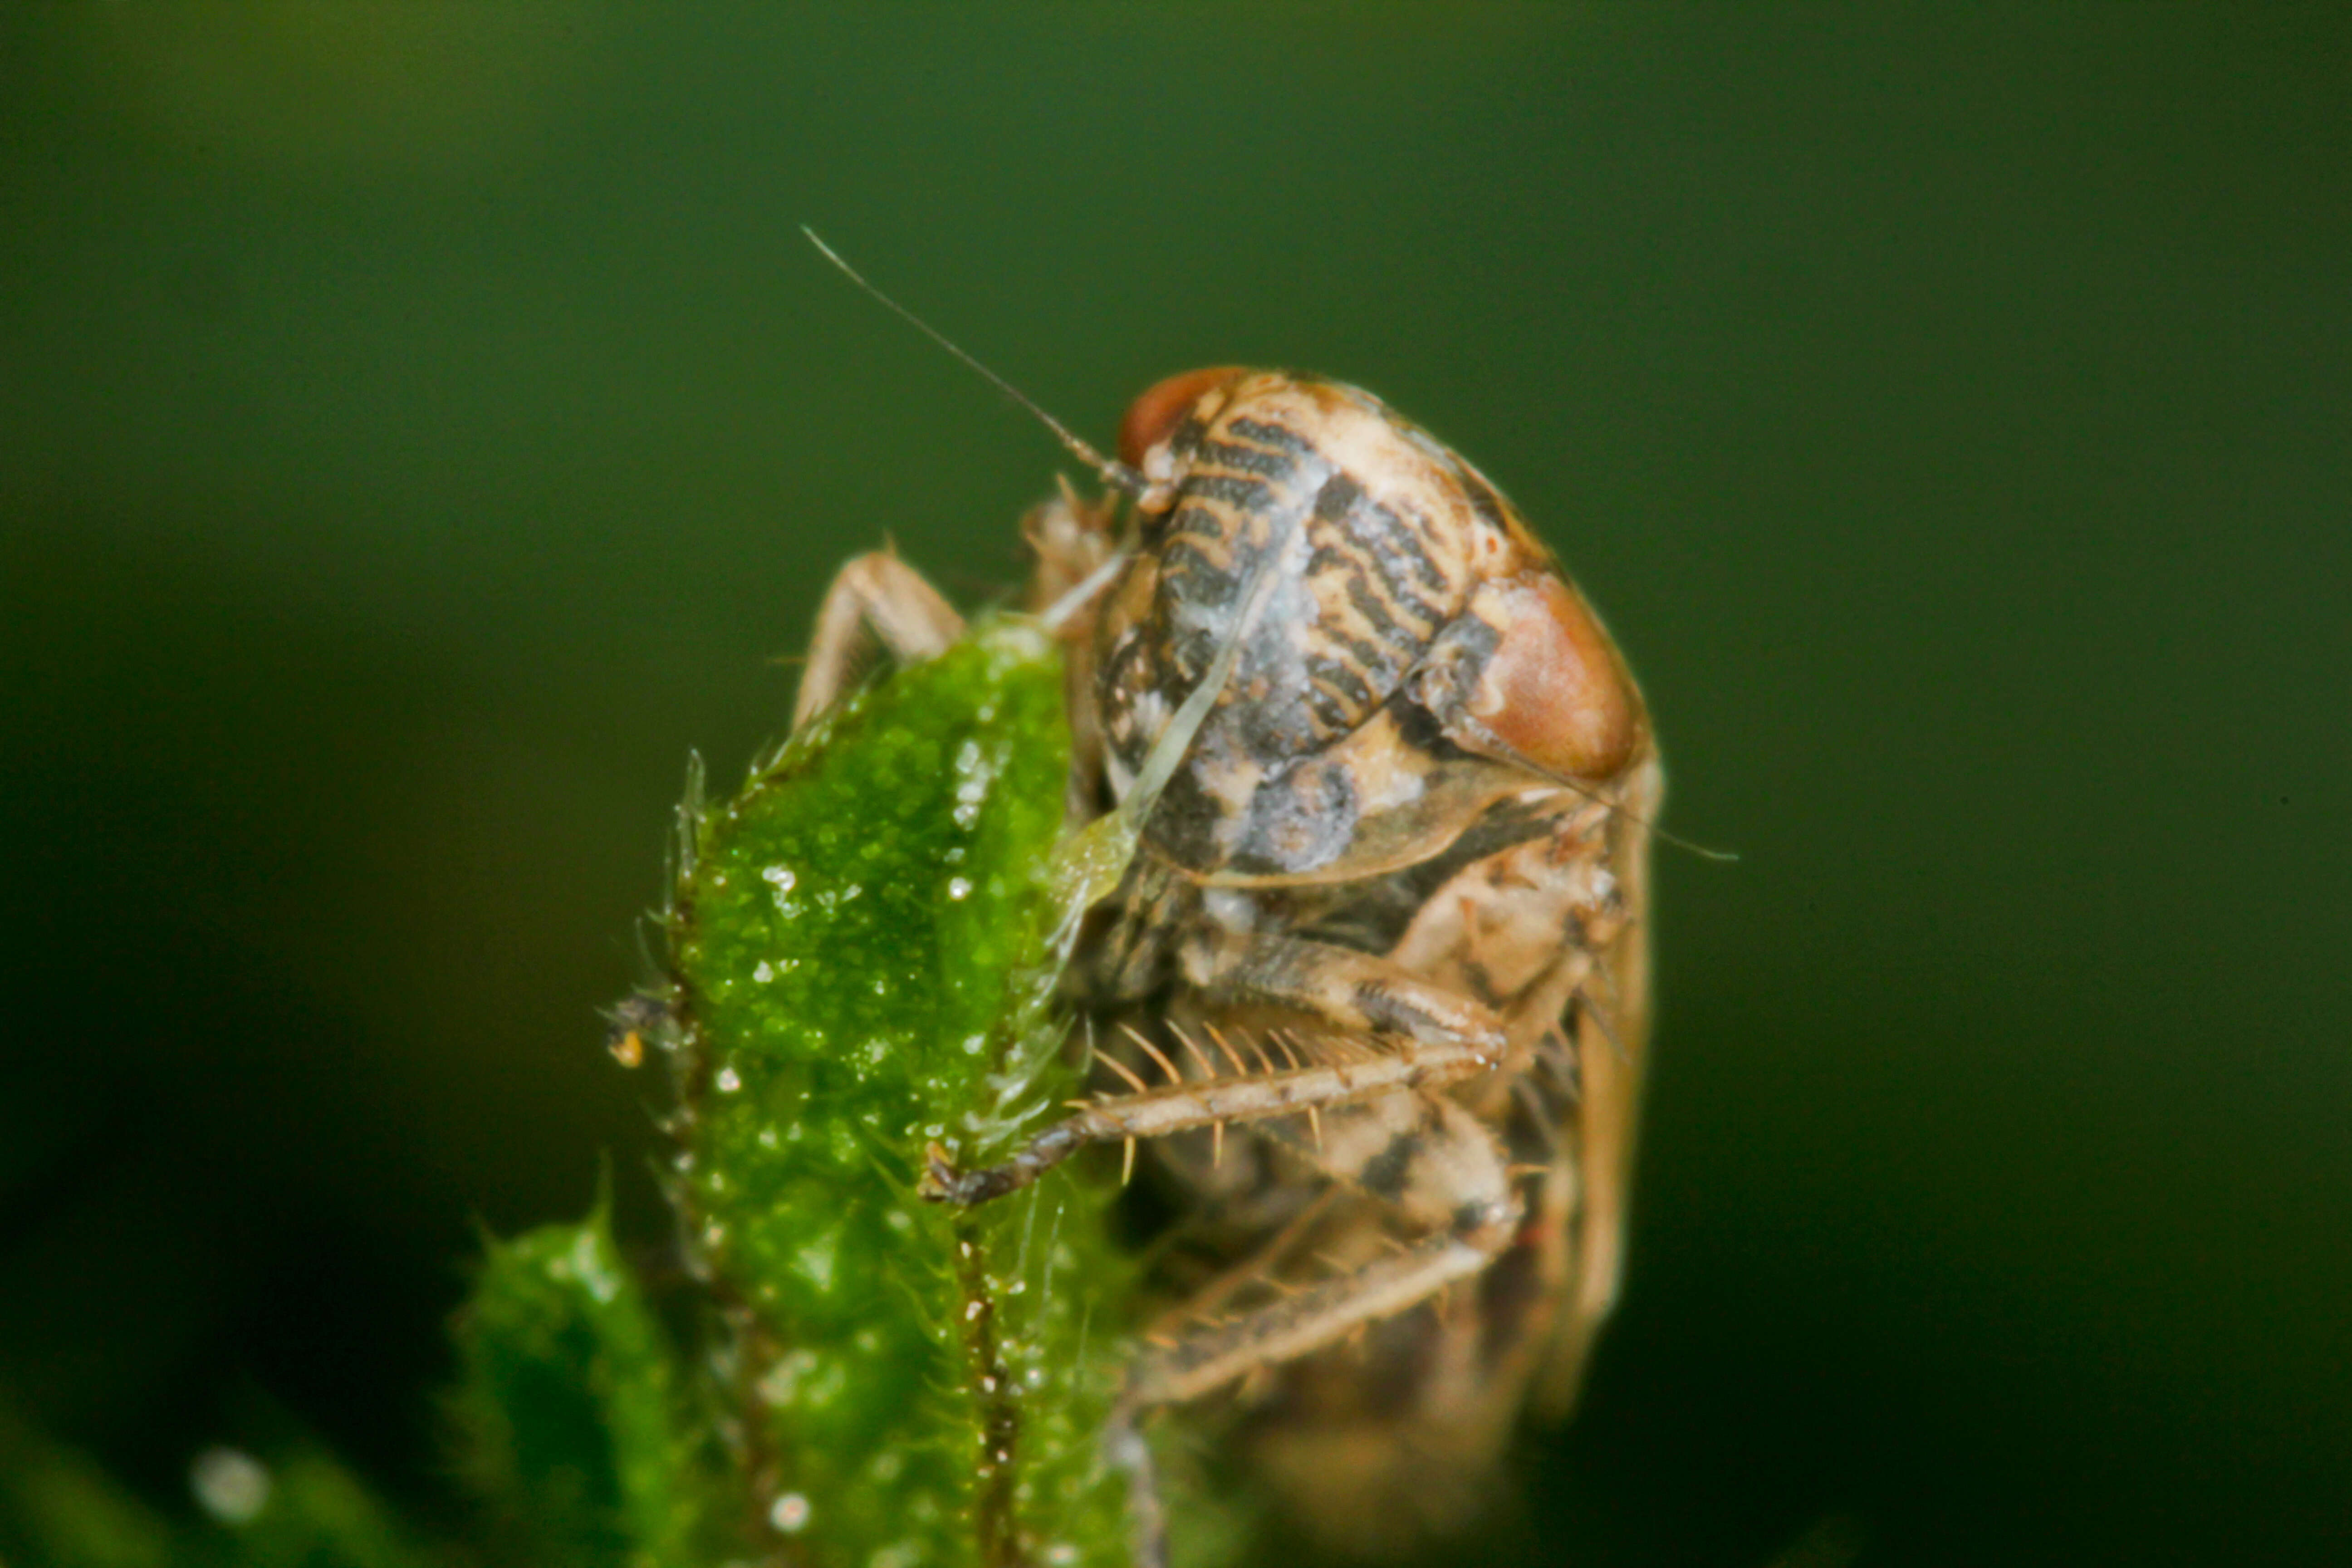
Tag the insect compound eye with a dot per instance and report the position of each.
(1150, 417)
(1553, 691)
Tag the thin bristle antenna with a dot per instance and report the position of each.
(1113, 473)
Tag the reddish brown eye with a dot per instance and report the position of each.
(1151, 417)
(1554, 691)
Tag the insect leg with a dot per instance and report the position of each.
(1261, 1265)
(1431, 1158)
(1075, 546)
(1213, 1355)
(878, 604)
(1299, 1325)
(1354, 993)
(1153, 1112)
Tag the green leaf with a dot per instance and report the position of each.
(866, 941)
(569, 1413)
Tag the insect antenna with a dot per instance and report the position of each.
(1115, 473)
(1720, 857)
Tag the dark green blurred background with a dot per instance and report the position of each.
(419, 426)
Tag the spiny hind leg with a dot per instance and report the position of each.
(1214, 1353)
(1210, 1299)
(1323, 1076)
(1436, 1166)
(1423, 1156)
(1430, 1161)
(1434, 1037)
(878, 605)
(1312, 1319)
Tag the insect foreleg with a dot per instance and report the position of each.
(878, 604)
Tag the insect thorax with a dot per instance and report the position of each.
(1375, 536)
